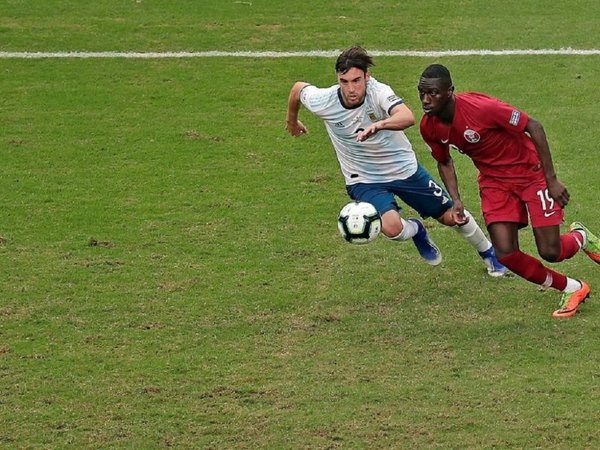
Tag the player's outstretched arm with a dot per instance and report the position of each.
(293, 125)
(400, 119)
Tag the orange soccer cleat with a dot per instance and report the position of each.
(569, 302)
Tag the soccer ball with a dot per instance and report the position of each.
(359, 222)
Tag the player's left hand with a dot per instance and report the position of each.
(559, 192)
(458, 213)
(367, 133)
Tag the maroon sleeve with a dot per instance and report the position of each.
(506, 116)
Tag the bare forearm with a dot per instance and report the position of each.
(448, 176)
(538, 135)
(401, 118)
(397, 122)
(292, 124)
(293, 106)
(556, 189)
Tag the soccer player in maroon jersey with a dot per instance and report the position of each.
(517, 181)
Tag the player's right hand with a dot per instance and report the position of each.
(296, 128)
(458, 213)
(558, 192)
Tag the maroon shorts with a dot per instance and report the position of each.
(509, 201)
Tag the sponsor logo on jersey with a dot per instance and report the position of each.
(514, 118)
(471, 136)
(339, 124)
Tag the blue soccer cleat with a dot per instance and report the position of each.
(427, 249)
(494, 268)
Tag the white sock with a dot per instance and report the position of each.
(548, 282)
(583, 238)
(572, 285)
(409, 229)
(473, 234)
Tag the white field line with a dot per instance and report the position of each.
(298, 54)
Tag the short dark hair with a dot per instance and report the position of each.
(355, 56)
(438, 71)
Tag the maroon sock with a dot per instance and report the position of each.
(533, 270)
(570, 244)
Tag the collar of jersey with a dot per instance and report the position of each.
(339, 92)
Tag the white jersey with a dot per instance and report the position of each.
(383, 157)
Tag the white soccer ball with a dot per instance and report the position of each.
(359, 222)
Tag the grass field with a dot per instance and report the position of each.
(170, 269)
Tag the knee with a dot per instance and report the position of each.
(447, 218)
(504, 249)
(391, 229)
(550, 254)
(391, 225)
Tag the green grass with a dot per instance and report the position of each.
(170, 269)
(154, 25)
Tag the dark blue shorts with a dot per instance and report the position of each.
(419, 191)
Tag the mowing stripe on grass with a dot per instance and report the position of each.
(300, 54)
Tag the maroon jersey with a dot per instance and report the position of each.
(490, 132)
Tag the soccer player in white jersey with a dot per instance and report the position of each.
(364, 119)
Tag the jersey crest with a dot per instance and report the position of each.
(471, 136)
